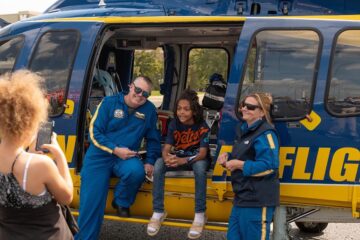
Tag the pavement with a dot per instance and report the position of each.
(113, 230)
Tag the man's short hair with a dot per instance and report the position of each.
(146, 79)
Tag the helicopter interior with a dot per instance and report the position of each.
(176, 53)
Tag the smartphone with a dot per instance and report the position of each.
(44, 135)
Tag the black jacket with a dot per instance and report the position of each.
(255, 191)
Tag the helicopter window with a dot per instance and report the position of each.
(204, 62)
(9, 50)
(283, 63)
(53, 60)
(344, 87)
(151, 63)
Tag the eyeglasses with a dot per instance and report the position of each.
(138, 90)
(249, 106)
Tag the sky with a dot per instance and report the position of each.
(14, 6)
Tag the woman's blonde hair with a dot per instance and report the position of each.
(22, 104)
(265, 101)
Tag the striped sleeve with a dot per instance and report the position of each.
(266, 156)
(98, 127)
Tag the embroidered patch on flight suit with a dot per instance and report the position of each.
(139, 115)
(118, 113)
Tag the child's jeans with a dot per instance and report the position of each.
(199, 168)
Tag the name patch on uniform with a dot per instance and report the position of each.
(139, 115)
(118, 113)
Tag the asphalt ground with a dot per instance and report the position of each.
(113, 230)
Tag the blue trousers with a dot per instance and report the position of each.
(199, 168)
(250, 223)
(95, 179)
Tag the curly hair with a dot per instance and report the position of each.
(22, 104)
(192, 97)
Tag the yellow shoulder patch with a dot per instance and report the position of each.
(270, 140)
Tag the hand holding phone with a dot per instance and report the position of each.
(44, 136)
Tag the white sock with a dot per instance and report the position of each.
(157, 215)
(199, 217)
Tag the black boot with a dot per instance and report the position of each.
(121, 211)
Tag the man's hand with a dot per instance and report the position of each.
(149, 169)
(124, 153)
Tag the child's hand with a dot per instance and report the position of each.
(169, 159)
(176, 161)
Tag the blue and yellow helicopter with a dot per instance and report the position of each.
(89, 49)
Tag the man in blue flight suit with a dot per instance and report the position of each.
(116, 132)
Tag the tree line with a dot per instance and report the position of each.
(202, 63)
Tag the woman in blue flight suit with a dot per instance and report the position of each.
(253, 163)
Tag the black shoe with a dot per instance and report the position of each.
(123, 211)
(113, 204)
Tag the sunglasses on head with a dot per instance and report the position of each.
(138, 90)
(249, 106)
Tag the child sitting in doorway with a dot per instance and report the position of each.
(186, 145)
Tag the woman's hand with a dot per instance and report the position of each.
(234, 164)
(223, 158)
(58, 179)
(54, 148)
(33, 146)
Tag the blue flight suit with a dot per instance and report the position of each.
(256, 186)
(113, 126)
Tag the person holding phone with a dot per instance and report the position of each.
(116, 131)
(254, 163)
(31, 184)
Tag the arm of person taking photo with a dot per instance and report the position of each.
(57, 175)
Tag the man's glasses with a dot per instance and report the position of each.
(249, 106)
(138, 90)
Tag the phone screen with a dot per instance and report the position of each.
(44, 135)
